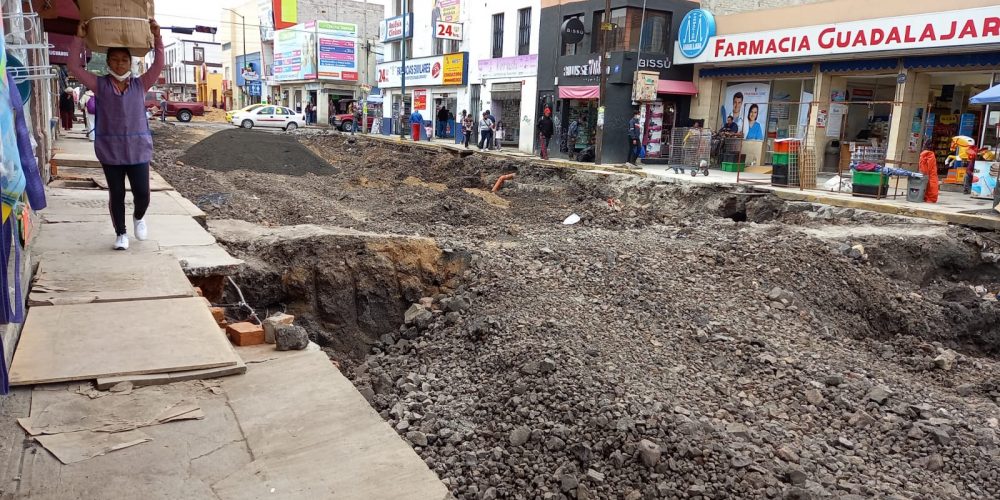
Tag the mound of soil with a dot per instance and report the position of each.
(264, 152)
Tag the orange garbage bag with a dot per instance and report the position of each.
(928, 167)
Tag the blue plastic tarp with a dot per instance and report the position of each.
(990, 96)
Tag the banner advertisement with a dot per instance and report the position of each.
(420, 99)
(644, 86)
(397, 28)
(447, 11)
(295, 53)
(509, 67)
(338, 58)
(265, 10)
(449, 69)
(747, 104)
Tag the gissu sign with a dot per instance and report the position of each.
(941, 29)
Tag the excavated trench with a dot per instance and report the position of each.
(350, 289)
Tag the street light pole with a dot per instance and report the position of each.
(402, 70)
(601, 108)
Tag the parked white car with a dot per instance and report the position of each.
(270, 116)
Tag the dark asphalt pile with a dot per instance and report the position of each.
(263, 152)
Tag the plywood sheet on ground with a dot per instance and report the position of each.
(168, 378)
(76, 160)
(89, 341)
(78, 279)
(70, 202)
(79, 238)
(336, 426)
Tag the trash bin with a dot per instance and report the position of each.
(415, 130)
(916, 188)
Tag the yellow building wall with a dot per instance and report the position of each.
(209, 90)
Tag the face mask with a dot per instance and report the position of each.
(120, 78)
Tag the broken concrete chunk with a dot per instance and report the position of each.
(418, 316)
(649, 452)
(271, 323)
(946, 360)
(291, 338)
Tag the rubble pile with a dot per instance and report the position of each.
(715, 361)
(656, 348)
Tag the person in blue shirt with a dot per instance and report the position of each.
(418, 119)
(754, 130)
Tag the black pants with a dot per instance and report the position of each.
(468, 135)
(138, 179)
(485, 139)
(633, 150)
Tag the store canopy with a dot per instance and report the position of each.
(990, 96)
(676, 87)
(772, 69)
(579, 92)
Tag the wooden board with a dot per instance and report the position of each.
(169, 378)
(89, 341)
(79, 279)
(76, 160)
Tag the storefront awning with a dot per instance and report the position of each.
(579, 92)
(676, 87)
(953, 61)
(859, 65)
(772, 69)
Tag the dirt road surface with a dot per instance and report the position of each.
(677, 342)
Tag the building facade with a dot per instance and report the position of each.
(183, 59)
(889, 77)
(640, 39)
(241, 31)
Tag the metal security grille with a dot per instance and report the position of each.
(497, 35)
(523, 31)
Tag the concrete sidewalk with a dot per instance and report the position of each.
(292, 426)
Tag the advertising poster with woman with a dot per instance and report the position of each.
(747, 104)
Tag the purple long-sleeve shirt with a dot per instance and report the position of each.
(76, 68)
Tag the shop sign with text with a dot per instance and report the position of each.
(593, 67)
(509, 67)
(449, 69)
(397, 28)
(936, 30)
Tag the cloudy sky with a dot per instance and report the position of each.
(205, 12)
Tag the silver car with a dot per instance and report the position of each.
(270, 116)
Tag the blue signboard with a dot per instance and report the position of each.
(697, 27)
(253, 88)
(967, 124)
(248, 69)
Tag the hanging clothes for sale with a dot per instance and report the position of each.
(34, 187)
(12, 302)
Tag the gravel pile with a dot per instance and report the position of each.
(657, 348)
(716, 360)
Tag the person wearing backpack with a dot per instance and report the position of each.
(89, 104)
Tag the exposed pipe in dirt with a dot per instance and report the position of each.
(243, 301)
(501, 180)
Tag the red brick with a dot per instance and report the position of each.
(245, 333)
(219, 314)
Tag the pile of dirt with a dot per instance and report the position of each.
(657, 348)
(264, 152)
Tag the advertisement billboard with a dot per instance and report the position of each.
(747, 104)
(295, 53)
(338, 54)
(449, 69)
(265, 11)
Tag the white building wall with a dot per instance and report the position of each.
(477, 21)
(479, 43)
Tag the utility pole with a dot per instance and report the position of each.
(243, 20)
(402, 71)
(601, 109)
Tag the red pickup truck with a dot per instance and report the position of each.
(183, 111)
(344, 120)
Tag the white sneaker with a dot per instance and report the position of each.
(121, 242)
(140, 230)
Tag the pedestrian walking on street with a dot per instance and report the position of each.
(124, 143)
(163, 106)
(485, 132)
(417, 119)
(634, 138)
(309, 113)
(89, 104)
(443, 115)
(573, 135)
(467, 124)
(545, 130)
(66, 107)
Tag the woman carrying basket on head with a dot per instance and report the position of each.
(123, 142)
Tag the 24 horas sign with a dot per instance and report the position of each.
(936, 30)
